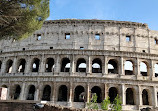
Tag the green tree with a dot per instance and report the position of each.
(20, 18)
(117, 104)
(93, 102)
(105, 104)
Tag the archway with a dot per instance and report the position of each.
(49, 65)
(35, 65)
(21, 67)
(112, 66)
(143, 69)
(96, 66)
(17, 92)
(145, 97)
(31, 93)
(65, 65)
(81, 65)
(9, 66)
(128, 68)
(79, 95)
(129, 97)
(97, 90)
(46, 93)
(62, 93)
(112, 93)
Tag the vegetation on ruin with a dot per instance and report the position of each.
(20, 18)
(116, 105)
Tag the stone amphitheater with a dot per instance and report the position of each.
(68, 60)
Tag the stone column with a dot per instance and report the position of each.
(88, 93)
(151, 69)
(42, 65)
(72, 64)
(139, 96)
(105, 66)
(14, 66)
(54, 92)
(36, 95)
(123, 94)
(57, 65)
(28, 65)
(89, 66)
(70, 95)
(137, 67)
(154, 96)
(121, 68)
(105, 91)
(22, 94)
(3, 68)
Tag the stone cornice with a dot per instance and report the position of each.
(97, 22)
(80, 52)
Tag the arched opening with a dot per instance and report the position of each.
(96, 66)
(21, 67)
(35, 65)
(31, 93)
(9, 66)
(145, 97)
(128, 68)
(46, 93)
(97, 90)
(62, 93)
(143, 68)
(17, 92)
(79, 95)
(81, 65)
(129, 97)
(112, 93)
(65, 65)
(156, 70)
(112, 66)
(49, 65)
(5, 92)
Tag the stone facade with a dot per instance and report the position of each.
(68, 60)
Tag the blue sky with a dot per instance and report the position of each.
(143, 11)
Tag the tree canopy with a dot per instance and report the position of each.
(20, 18)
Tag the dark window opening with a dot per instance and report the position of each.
(81, 48)
(21, 67)
(96, 66)
(143, 69)
(112, 67)
(145, 97)
(129, 97)
(51, 47)
(156, 41)
(23, 49)
(9, 66)
(39, 36)
(156, 70)
(46, 93)
(128, 38)
(97, 36)
(112, 94)
(67, 36)
(50, 65)
(17, 92)
(81, 65)
(96, 90)
(35, 65)
(128, 68)
(143, 50)
(79, 94)
(65, 65)
(31, 93)
(62, 93)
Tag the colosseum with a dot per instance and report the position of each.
(67, 60)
